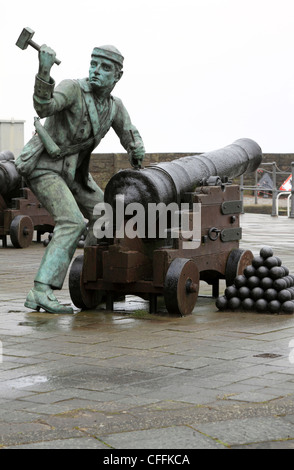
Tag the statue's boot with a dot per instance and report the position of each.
(37, 299)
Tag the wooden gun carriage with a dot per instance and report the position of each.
(20, 211)
(171, 266)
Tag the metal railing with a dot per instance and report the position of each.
(274, 191)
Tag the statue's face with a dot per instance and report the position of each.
(102, 73)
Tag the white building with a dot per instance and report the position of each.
(12, 136)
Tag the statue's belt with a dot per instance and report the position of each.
(72, 149)
(53, 149)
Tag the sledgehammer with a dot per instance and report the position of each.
(25, 39)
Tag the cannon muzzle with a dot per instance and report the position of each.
(9, 177)
(170, 181)
(6, 155)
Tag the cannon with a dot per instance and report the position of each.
(9, 177)
(20, 211)
(199, 239)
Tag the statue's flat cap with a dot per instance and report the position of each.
(109, 52)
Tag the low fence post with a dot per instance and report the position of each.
(274, 191)
(292, 192)
(242, 192)
(256, 190)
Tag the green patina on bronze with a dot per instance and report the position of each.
(55, 162)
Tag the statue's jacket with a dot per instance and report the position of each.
(77, 122)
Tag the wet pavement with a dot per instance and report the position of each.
(130, 380)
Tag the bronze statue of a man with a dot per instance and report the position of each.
(78, 115)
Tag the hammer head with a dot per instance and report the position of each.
(24, 38)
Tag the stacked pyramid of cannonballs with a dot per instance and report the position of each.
(265, 287)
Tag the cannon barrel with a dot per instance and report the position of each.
(9, 176)
(6, 155)
(170, 181)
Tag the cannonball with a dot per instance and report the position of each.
(284, 272)
(285, 269)
(240, 281)
(284, 295)
(231, 291)
(279, 261)
(257, 262)
(253, 281)
(261, 305)
(279, 284)
(257, 293)
(243, 292)
(276, 272)
(266, 251)
(266, 283)
(291, 289)
(271, 262)
(46, 242)
(247, 304)
(270, 294)
(249, 271)
(50, 236)
(234, 303)
(262, 271)
(287, 280)
(221, 302)
(288, 307)
(274, 306)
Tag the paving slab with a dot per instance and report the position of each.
(178, 437)
(125, 379)
(249, 430)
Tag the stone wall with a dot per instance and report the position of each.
(104, 165)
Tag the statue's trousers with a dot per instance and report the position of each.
(68, 206)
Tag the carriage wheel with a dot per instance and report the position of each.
(81, 297)
(237, 261)
(181, 286)
(21, 231)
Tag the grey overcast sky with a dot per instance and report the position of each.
(198, 74)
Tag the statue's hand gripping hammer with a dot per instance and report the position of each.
(25, 39)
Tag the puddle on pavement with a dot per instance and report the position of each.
(28, 381)
(32, 323)
(125, 314)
